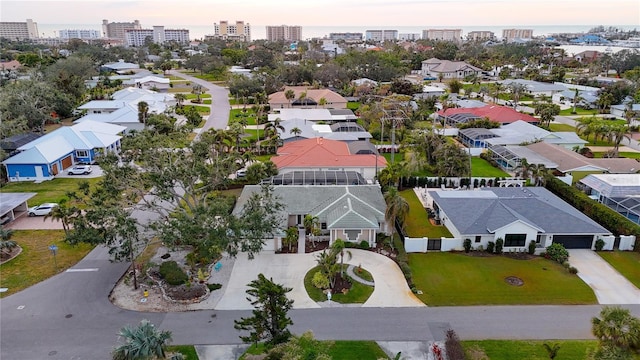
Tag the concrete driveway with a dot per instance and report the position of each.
(96, 171)
(609, 286)
(391, 288)
(25, 222)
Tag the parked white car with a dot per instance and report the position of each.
(42, 209)
(80, 170)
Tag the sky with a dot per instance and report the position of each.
(328, 12)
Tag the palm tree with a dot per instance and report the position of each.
(6, 244)
(629, 113)
(338, 247)
(290, 95)
(537, 172)
(180, 98)
(616, 134)
(552, 350)
(143, 342)
(143, 111)
(397, 209)
(616, 327)
(311, 226)
(291, 236)
(272, 131)
(197, 90)
(63, 213)
(322, 102)
(295, 131)
(576, 98)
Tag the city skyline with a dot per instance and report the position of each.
(428, 13)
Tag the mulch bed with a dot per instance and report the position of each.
(319, 245)
(6, 256)
(342, 285)
(184, 292)
(514, 281)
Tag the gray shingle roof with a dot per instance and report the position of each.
(484, 211)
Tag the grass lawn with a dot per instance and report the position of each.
(207, 77)
(189, 351)
(193, 96)
(630, 155)
(237, 114)
(358, 293)
(482, 168)
(561, 127)
(340, 350)
(365, 350)
(202, 110)
(35, 263)
(353, 105)
(253, 134)
(530, 350)
(264, 158)
(456, 279)
(417, 223)
(579, 111)
(180, 89)
(397, 157)
(48, 191)
(626, 262)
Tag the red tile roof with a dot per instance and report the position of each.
(320, 152)
(501, 114)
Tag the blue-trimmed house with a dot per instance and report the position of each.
(49, 155)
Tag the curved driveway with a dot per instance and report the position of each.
(220, 108)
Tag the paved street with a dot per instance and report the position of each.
(220, 107)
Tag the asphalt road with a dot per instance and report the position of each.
(220, 108)
(69, 316)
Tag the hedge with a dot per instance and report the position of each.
(602, 214)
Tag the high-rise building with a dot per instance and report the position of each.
(348, 36)
(442, 34)
(240, 31)
(78, 34)
(409, 36)
(381, 35)
(118, 30)
(284, 32)
(513, 34)
(158, 35)
(19, 30)
(480, 35)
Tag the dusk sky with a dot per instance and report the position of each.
(329, 12)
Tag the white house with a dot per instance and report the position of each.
(447, 69)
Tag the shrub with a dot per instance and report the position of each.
(490, 247)
(214, 287)
(364, 244)
(532, 247)
(320, 280)
(406, 270)
(453, 346)
(566, 265)
(557, 252)
(172, 273)
(467, 245)
(499, 243)
(599, 244)
(573, 270)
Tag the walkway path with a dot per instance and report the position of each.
(350, 272)
(609, 286)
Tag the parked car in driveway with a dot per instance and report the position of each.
(80, 170)
(42, 209)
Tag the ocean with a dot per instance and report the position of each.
(312, 31)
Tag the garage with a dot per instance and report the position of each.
(67, 162)
(574, 241)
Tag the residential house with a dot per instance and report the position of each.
(123, 108)
(50, 154)
(588, 56)
(329, 116)
(621, 110)
(353, 213)
(497, 113)
(341, 131)
(535, 88)
(312, 99)
(120, 66)
(517, 215)
(620, 192)
(521, 132)
(319, 154)
(446, 69)
(586, 99)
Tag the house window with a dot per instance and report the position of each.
(478, 238)
(82, 153)
(515, 240)
(323, 226)
(538, 239)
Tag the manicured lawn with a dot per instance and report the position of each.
(207, 77)
(482, 168)
(358, 293)
(348, 350)
(193, 96)
(264, 158)
(352, 105)
(48, 191)
(254, 134)
(36, 263)
(626, 262)
(561, 127)
(630, 155)
(340, 350)
(397, 157)
(237, 114)
(202, 110)
(530, 350)
(180, 89)
(189, 351)
(579, 111)
(417, 223)
(456, 279)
